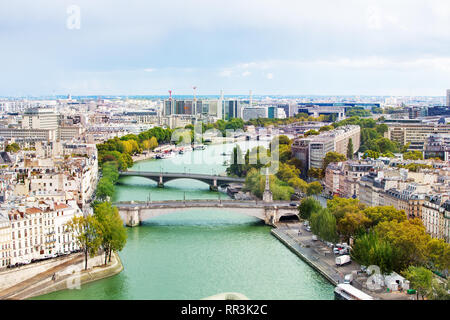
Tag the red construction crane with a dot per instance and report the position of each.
(170, 94)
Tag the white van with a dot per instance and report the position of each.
(348, 278)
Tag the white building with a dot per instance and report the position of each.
(5, 242)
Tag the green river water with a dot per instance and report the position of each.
(200, 252)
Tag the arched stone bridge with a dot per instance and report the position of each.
(133, 213)
(162, 177)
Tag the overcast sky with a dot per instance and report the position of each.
(326, 47)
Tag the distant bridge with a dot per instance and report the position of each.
(162, 177)
(133, 213)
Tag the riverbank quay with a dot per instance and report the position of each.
(67, 275)
(322, 259)
(14, 276)
(143, 156)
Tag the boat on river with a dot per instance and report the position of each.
(345, 291)
(200, 147)
(164, 155)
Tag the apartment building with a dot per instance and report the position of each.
(38, 229)
(312, 150)
(5, 242)
(342, 178)
(436, 216)
(415, 133)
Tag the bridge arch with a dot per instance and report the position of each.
(134, 213)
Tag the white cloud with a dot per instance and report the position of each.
(149, 70)
(225, 73)
(269, 76)
(246, 73)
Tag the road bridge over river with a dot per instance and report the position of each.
(162, 177)
(133, 213)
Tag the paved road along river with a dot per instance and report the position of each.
(200, 252)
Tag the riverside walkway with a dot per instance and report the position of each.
(14, 291)
(322, 259)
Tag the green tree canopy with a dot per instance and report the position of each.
(323, 224)
(111, 230)
(368, 249)
(413, 155)
(439, 254)
(332, 157)
(311, 132)
(308, 206)
(350, 149)
(85, 230)
(420, 279)
(13, 147)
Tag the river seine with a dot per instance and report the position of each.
(200, 252)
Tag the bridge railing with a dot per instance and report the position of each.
(200, 202)
(192, 174)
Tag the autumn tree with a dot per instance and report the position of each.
(299, 184)
(439, 254)
(409, 237)
(340, 206)
(314, 188)
(352, 223)
(316, 173)
(384, 213)
(13, 147)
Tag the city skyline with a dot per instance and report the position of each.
(294, 48)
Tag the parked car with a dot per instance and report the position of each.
(293, 204)
(314, 237)
(329, 244)
(308, 228)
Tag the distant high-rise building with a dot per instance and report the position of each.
(254, 113)
(168, 107)
(232, 109)
(448, 98)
